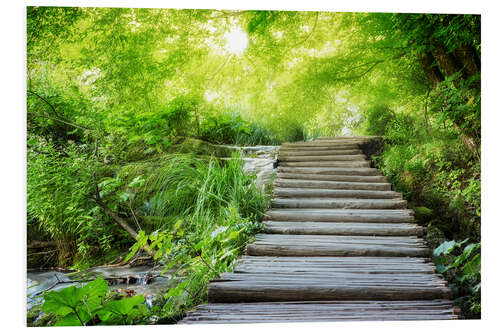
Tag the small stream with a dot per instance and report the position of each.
(144, 280)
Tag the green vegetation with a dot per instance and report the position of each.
(125, 108)
(92, 304)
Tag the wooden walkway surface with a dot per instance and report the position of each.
(337, 245)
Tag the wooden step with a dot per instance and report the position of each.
(339, 164)
(336, 152)
(347, 265)
(346, 246)
(290, 192)
(309, 280)
(323, 148)
(341, 138)
(323, 143)
(339, 178)
(338, 203)
(341, 215)
(306, 158)
(332, 185)
(331, 171)
(332, 228)
(322, 311)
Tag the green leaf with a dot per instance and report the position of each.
(93, 292)
(61, 302)
(124, 196)
(133, 251)
(445, 248)
(120, 307)
(473, 267)
(69, 320)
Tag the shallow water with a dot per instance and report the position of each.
(119, 278)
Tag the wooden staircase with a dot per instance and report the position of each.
(338, 244)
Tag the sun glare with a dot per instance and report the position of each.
(236, 41)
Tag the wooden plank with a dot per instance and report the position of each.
(332, 185)
(322, 311)
(324, 145)
(340, 164)
(326, 245)
(314, 158)
(326, 228)
(338, 215)
(290, 192)
(272, 291)
(377, 261)
(340, 178)
(331, 171)
(340, 138)
(339, 203)
(334, 265)
(322, 152)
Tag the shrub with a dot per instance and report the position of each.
(377, 119)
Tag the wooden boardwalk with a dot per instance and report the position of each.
(337, 245)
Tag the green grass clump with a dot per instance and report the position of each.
(201, 213)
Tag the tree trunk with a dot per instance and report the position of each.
(41, 245)
(433, 73)
(466, 56)
(447, 62)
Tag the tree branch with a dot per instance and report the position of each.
(58, 117)
(309, 35)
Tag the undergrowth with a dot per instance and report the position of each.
(437, 168)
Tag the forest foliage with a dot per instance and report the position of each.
(109, 90)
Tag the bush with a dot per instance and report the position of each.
(378, 119)
(232, 129)
(224, 129)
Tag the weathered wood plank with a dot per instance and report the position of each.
(339, 215)
(293, 192)
(331, 185)
(340, 164)
(340, 178)
(322, 152)
(235, 292)
(326, 245)
(334, 265)
(306, 158)
(339, 203)
(323, 145)
(331, 171)
(326, 228)
(322, 311)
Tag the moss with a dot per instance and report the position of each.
(422, 214)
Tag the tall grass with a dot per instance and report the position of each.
(186, 187)
(206, 210)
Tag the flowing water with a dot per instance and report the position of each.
(144, 280)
